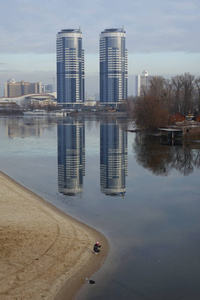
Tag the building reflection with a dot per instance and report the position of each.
(22, 131)
(24, 128)
(113, 158)
(71, 156)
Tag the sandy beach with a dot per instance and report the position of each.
(44, 253)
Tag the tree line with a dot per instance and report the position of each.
(163, 98)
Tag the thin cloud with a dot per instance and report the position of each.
(8, 71)
(162, 36)
(150, 25)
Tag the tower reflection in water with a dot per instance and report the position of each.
(71, 156)
(113, 158)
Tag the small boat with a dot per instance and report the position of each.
(57, 114)
(42, 112)
(36, 112)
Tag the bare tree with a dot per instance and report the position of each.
(183, 87)
(177, 83)
(157, 86)
(161, 88)
(150, 112)
(188, 88)
(165, 97)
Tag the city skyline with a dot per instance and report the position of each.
(162, 37)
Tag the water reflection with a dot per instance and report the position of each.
(26, 127)
(161, 156)
(154, 235)
(23, 131)
(113, 158)
(71, 156)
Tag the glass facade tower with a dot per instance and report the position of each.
(70, 68)
(113, 66)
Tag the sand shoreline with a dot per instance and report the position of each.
(44, 253)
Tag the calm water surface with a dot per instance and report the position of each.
(141, 192)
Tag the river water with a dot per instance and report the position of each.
(141, 192)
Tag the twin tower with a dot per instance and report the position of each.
(71, 72)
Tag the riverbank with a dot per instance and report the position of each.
(44, 254)
(190, 130)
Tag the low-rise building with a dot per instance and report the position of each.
(177, 117)
(197, 118)
(31, 99)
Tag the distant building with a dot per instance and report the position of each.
(47, 88)
(33, 99)
(113, 66)
(70, 68)
(197, 118)
(16, 89)
(177, 117)
(38, 100)
(90, 101)
(142, 83)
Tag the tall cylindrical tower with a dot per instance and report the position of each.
(113, 66)
(70, 67)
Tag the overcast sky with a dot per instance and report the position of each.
(162, 36)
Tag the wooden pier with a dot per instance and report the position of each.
(171, 132)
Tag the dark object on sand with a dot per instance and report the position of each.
(96, 247)
(91, 281)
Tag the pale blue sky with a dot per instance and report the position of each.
(162, 36)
